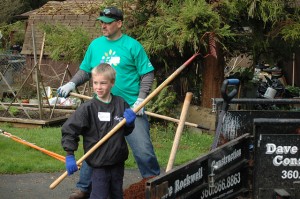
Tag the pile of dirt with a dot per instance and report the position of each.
(136, 190)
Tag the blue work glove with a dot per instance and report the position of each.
(64, 90)
(138, 101)
(71, 165)
(130, 116)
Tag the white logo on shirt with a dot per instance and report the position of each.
(114, 61)
(119, 119)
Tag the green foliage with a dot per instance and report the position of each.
(294, 90)
(272, 28)
(163, 103)
(270, 11)
(229, 10)
(275, 28)
(291, 33)
(6, 99)
(11, 8)
(18, 31)
(242, 73)
(14, 110)
(171, 31)
(179, 25)
(281, 23)
(65, 42)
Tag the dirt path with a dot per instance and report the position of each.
(36, 185)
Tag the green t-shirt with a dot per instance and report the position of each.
(127, 56)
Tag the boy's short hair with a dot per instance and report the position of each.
(106, 70)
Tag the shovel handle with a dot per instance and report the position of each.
(58, 180)
(80, 96)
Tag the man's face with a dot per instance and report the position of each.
(102, 86)
(112, 30)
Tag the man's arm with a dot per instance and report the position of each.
(145, 87)
(78, 79)
(146, 84)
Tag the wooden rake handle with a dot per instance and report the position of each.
(150, 114)
(136, 109)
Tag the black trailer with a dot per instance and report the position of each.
(260, 160)
(221, 173)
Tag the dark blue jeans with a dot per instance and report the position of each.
(108, 181)
(140, 143)
(85, 174)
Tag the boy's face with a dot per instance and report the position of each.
(102, 86)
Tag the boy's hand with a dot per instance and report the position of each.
(130, 116)
(71, 165)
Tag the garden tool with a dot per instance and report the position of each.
(226, 100)
(17, 139)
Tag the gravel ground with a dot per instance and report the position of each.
(36, 185)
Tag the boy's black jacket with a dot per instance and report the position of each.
(85, 121)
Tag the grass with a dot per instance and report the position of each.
(17, 158)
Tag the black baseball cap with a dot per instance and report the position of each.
(110, 14)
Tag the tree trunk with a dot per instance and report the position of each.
(212, 76)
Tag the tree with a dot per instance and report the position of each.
(172, 31)
(11, 8)
(9, 25)
(177, 29)
(265, 29)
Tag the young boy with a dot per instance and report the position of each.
(93, 119)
